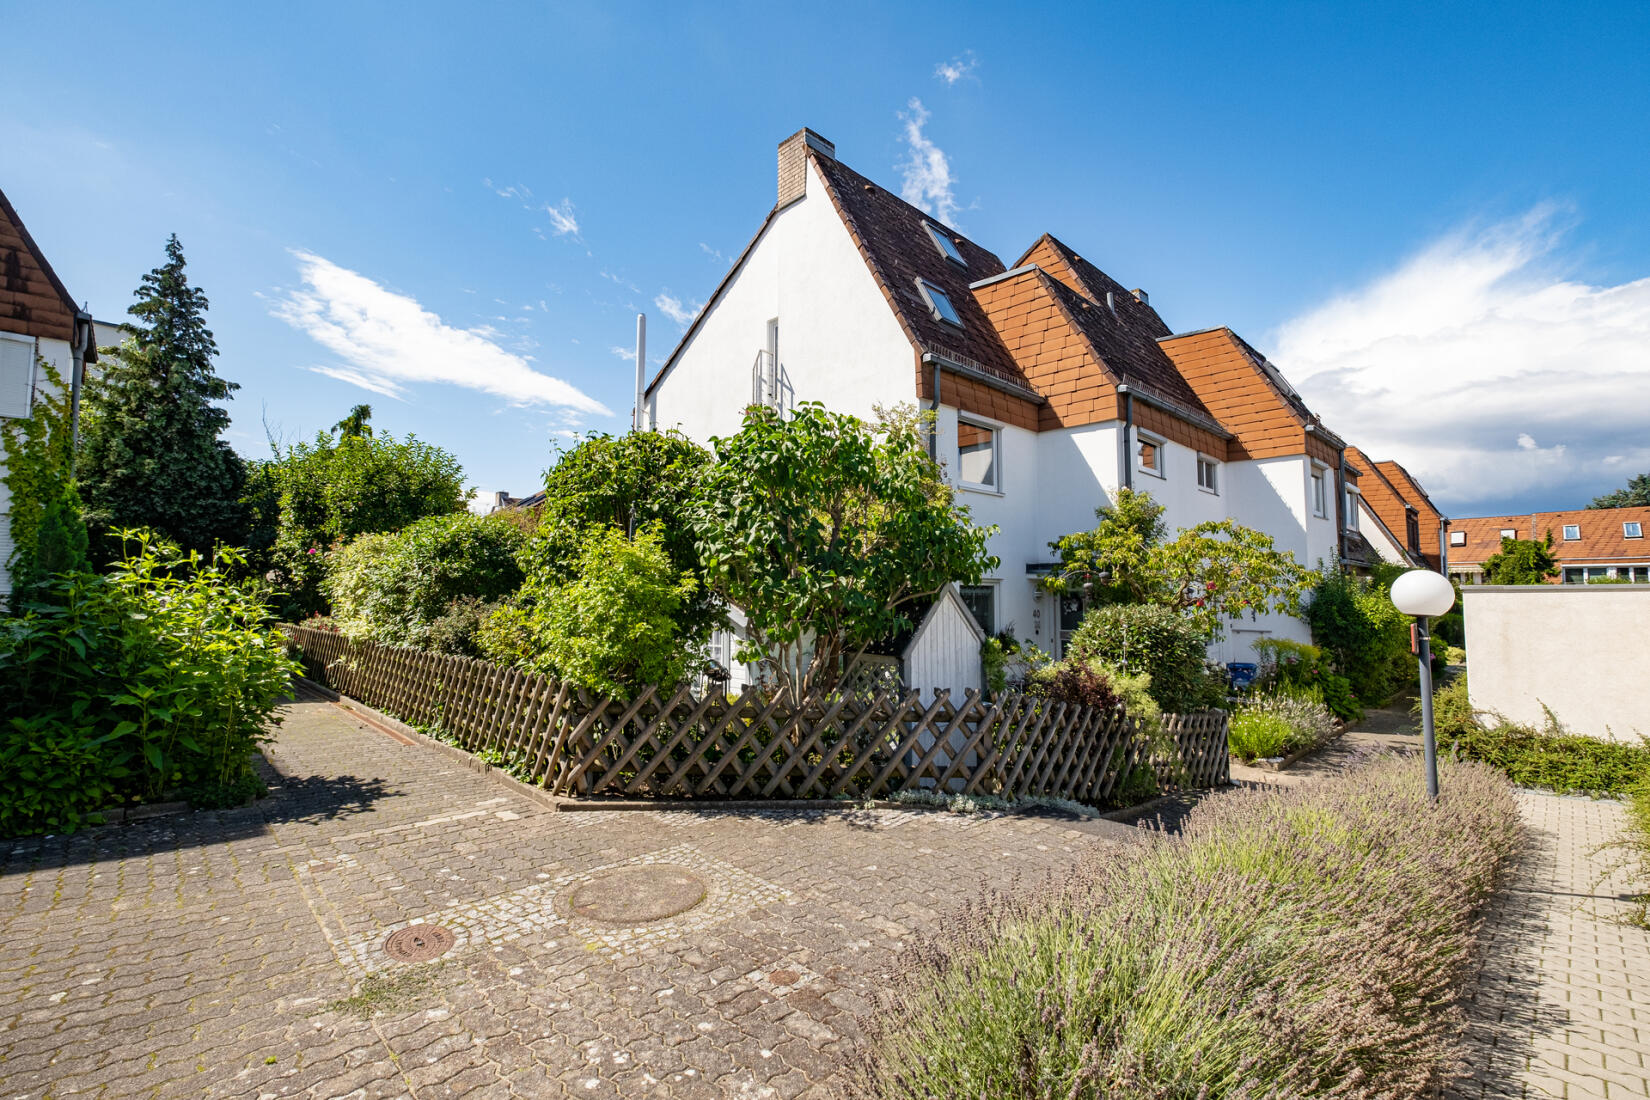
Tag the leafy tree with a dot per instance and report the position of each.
(1112, 562)
(331, 491)
(826, 532)
(1635, 495)
(1521, 561)
(612, 629)
(394, 588)
(624, 483)
(47, 530)
(1212, 573)
(356, 423)
(151, 454)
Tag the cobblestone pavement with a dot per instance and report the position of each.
(240, 953)
(1562, 1006)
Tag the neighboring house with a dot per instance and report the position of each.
(504, 502)
(1395, 513)
(1589, 543)
(38, 319)
(1052, 385)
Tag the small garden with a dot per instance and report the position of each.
(1292, 942)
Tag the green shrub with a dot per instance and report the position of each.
(1293, 942)
(1549, 758)
(1254, 734)
(1638, 843)
(154, 681)
(613, 629)
(1159, 642)
(1308, 720)
(1366, 637)
(394, 588)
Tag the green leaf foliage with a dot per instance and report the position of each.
(1366, 637)
(37, 467)
(625, 483)
(395, 588)
(825, 532)
(613, 628)
(1167, 645)
(1635, 495)
(1522, 561)
(331, 491)
(151, 455)
(153, 681)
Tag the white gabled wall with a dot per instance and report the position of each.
(839, 341)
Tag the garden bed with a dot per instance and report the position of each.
(1278, 764)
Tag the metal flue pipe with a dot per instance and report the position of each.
(638, 420)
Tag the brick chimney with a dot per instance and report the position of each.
(793, 163)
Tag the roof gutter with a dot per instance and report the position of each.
(1191, 416)
(984, 377)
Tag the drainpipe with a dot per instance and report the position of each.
(934, 407)
(1128, 436)
(83, 337)
(1340, 509)
(1443, 545)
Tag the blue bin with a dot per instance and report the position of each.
(1241, 674)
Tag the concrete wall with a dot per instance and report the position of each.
(1583, 650)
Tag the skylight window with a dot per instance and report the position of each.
(945, 244)
(1632, 530)
(939, 303)
(1572, 532)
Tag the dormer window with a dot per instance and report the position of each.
(945, 244)
(939, 303)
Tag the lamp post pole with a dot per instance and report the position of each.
(1429, 739)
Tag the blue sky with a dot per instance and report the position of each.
(1433, 217)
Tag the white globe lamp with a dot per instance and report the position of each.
(1425, 595)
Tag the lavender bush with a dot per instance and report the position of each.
(1291, 942)
(1279, 723)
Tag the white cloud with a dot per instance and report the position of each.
(927, 182)
(562, 222)
(627, 354)
(1488, 374)
(714, 254)
(673, 308)
(963, 65)
(389, 341)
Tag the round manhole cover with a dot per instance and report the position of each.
(636, 895)
(418, 943)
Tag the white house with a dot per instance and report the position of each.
(1052, 384)
(38, 318)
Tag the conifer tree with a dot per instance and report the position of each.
(151, 454)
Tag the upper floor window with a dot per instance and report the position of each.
(1320, 498)
(1351, 508)
(1208, 474)
(1508, 533)
(1412, 530)
(1457, 538)
(977, 447)
(939, 303)
(1148, 454)
(16, 374)
(1572, 532)
(945, 244)
(1632, 530)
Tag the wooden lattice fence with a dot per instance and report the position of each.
(675, 744)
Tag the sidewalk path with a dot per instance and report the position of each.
(241, 953)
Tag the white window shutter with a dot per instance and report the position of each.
(16, 376)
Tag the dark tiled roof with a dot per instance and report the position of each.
(1094, 284)
(893, 238)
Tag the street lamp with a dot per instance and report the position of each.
(1425, 594)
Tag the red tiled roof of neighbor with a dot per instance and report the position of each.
(1603, 539)
(33, 301)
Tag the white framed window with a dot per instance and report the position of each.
(1508, 533)
(979, 447)
(1320, 497)
(1351, 508)
(943, 242)
(1632, 530)
(16, 374)
(981, 601)
(1457, 538)
(1208, 474)
(1148, 454)
(939, 303)
(1572, 532)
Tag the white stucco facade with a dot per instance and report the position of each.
(19, 376)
